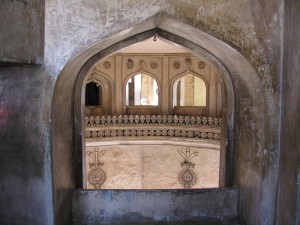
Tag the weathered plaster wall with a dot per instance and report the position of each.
(25, 178)
(22, 31)
(255, 31)
(252, 27)
(288, 204)
(72, 26)
(248, 26)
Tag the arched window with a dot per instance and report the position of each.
(189, 90)
(141, 90)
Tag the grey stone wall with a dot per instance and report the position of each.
(25, 164)
(72, 26)
(288, 204)
(22, 31)
(254, 28)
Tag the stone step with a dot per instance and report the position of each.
(155, 207)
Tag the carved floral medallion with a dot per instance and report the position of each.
(201, 65)
(187, 177)
(97, 175)
(107, 65)
(130, 63)
(153, 65)
(176, 65)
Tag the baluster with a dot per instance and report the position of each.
(125, 119)
(175, 119)
(210, 121)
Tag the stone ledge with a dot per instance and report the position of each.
(126, 206)
(199, 222)
(186, 142)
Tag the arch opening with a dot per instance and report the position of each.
(141, 93)
(190, 93)
(238, 77)
(189, 90)
(93, 93)
(141, 89)
(191, 127)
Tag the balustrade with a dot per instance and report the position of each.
(106, 126)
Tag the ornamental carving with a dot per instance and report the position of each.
(114, 120)
(120, 118)
(175, 119)
(96, 176)
(107, 120)
(158, 119)
(204, 121)
(158, 132)
(139, 133)
(187, 177)
(153, 65)
(201, 65)
(97, 120)
(176, 65)
(148, 119)
(131, 119)
(125, 119)
(170, 119)
(130, 63)
(103, 120)
(120, 133)
(153, 119)
(164, 119)
(107, 65)
(142, 119)
(188, 62)
(111, 126)
(142, 64)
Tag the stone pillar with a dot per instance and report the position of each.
(165, 104)
(288, 192)
(212, 94)
(118, 86)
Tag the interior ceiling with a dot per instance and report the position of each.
(151, 46)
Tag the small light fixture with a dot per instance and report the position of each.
(154, 38)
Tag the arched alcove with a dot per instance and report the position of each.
(107, 90)
(243, 117)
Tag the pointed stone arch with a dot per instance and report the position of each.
(243, 120)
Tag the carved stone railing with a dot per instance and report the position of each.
(152, 126)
